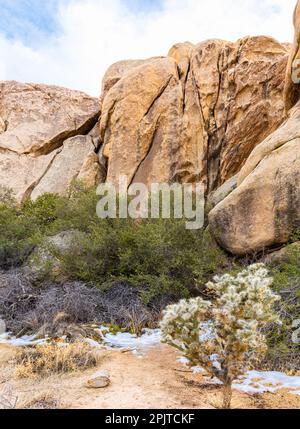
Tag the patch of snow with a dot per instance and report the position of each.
(183, 360)
(197, 370)
(26, 340)
(207, 331)
(252, 383)
(255, 381)
(266, 382)
(149, 339)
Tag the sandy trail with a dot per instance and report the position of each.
(155, 381)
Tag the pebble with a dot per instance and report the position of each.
(99, 380)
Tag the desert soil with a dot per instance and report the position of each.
(155, 381)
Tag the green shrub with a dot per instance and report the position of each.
(7, 197)
(295, 236)
(17, 237)
(22, 228)
(156, 256)
(283, 352)
(44, 211)
(159, 258)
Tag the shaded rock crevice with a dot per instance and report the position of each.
(28, 192)
(59, 140)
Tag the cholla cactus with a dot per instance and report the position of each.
(224, 336)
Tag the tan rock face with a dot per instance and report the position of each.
(289, 130)
(66, 166)
(192, 116)
(264, 210)
(37, 152)
(195, 115)
(116, 71)
(22, 173)
(138, 122)
(292, 89)
(222, 192)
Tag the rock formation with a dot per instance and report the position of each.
(44, 141)
(195, 115)
(212, 112)
(264, 210)
(292, 90)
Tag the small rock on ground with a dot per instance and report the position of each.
(99, 380)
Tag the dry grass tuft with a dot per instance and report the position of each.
(43, 401)
(44, 361)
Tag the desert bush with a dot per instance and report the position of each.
(148, 254)
(224, 336)
(22, 228)
(157, 256)
(47, 360)
(17, 237)
(148, 264)
(283, 353)
(151, 254)
(44, 211)
(28, 309)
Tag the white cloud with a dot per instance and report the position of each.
(96, 33)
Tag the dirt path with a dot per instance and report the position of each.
(155, 381)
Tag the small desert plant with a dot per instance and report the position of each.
(42, 401)
(224, 336)
(8, 401)
(52, 359)
(7, 197)
(283, 353)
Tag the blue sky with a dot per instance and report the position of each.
(72, 42)
(30, 20)
(26, 18)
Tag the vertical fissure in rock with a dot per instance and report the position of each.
(158, 95)
(213, 150)
(27, 194)
(151, 145)
(187, 77)
(217, 134)
(154, 134)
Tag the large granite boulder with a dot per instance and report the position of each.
(40, 150)
(194, 115)
(292, 84)
(264, 210)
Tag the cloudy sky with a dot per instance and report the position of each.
(72, 42)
